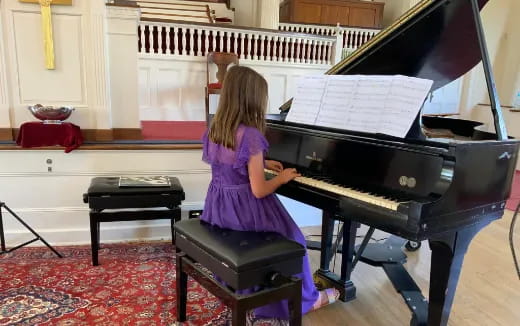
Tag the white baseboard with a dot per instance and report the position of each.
(77, 230)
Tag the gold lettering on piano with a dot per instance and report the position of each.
(313, 157)
(409, 182)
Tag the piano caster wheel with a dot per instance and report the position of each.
(412, 246)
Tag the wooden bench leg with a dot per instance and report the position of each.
(182, 288)
(295, 304)
(172, 221)
(239, 314)
(94, 239)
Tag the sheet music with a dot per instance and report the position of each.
(337, 101)
(307, 101)
(372, 104)
(404, 101)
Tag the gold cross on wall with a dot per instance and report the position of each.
(48, 43)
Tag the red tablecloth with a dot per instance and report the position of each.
(37, 134)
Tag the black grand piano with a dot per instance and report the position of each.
(444, 190)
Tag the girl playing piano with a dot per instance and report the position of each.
(239, 197)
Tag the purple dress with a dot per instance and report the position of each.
(230, 203)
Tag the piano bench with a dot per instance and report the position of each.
(242, 260)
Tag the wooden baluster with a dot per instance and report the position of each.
(183, 49)
(260, 46)
(213, 41)
(235, 43)
(317, 53)
(268, 39)
(297, 44)
(324, 58)
(304, 51)
(204, 39)
(253, 48)
(242, 55)
(153, 42)
(330, 58)
(167, 37)
(277, 47)
(199, 42)
(159, 39)
(312, 51)
(248, 47)
(286, 49)
(282, 48)
(142, 47)
(221, 41)
(189, 42)
(324, 52)
(228, 42)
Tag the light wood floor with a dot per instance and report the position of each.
(488, 292)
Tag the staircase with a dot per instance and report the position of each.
(184, 10)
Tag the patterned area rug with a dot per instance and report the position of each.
(134, 285)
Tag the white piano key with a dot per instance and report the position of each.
(346, 192)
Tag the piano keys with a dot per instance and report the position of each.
(418, 188)
(344, 191)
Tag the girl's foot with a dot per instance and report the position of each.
(325, 298)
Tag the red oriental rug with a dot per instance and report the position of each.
(134, 285)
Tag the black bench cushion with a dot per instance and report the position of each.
(105, 186)
(240, 250)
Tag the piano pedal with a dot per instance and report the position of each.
(326, 280)
(390, 251)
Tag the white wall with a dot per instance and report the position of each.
(51, 202)
(245, 12)
(501, 25)
(172, 88)
(79, 79)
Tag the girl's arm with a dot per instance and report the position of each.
(259, 185)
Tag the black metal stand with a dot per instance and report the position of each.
(2, 237)
(324, 276)
(447, 257)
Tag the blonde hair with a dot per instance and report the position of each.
(243, 100)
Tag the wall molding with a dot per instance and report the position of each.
(102, 173)
(111, 232)
(88, 134)
(186, 206)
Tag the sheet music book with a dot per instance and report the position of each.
(372, 104)
(151, 181)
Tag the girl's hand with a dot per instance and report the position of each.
(288, 175)
(274, 165)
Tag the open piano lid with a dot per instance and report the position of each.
(436, 40)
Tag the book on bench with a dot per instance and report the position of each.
(148, 181)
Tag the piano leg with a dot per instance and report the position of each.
(324, 276)
(446, 263)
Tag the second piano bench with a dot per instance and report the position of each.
(242, 260)
(108, 202)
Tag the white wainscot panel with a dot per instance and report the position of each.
(169, 84)
(176, 85)
(65, 84)
(52, 202)
(144, 87)
(192, 99)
